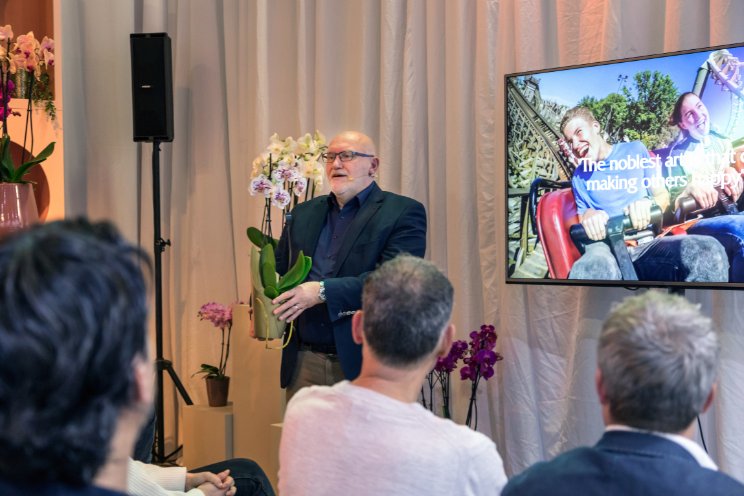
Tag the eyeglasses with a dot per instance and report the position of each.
(343, 156)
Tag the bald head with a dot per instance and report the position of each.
(348, 178)
(361, 141)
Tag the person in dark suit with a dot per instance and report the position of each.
(657, 364)
(348, 233)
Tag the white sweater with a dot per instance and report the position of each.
(144, 479)
(346, 439)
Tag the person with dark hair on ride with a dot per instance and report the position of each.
(701, 157)
(76, 378)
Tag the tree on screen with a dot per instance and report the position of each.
(611, 112)
(639, 112)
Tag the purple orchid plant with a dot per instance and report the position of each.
(478, 360)
(440, 375)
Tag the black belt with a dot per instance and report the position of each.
(326, 349)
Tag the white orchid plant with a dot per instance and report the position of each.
(289, 170)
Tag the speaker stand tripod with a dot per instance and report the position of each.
(161, 363)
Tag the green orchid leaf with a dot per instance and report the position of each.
(6, 162)
(308, 266)
(297, 274)
(260, 239)
(294, 275)
(207, 370)
(23, 169)
(271, 292)
(267, 264)
(255, 236)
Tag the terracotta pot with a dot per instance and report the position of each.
(266, 325)
(17, 207)
(217, 390)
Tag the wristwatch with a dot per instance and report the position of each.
(321, 292)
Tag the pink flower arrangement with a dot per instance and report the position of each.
(221, 317)
(28, 58)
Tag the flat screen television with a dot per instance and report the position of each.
(628, 172)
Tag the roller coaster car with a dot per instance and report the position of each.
(552, 217)
(556, 222)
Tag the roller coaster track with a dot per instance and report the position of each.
(737, 109)
(725, 70)
(547, 133)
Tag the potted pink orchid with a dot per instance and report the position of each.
(26, 60)
(31, 59)
(218, 383)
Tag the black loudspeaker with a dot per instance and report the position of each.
(152, 86)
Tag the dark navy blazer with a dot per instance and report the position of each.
(385, 225)
(624, 463)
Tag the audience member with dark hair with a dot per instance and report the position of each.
(371, 436)
(76, 380)
(657, 362)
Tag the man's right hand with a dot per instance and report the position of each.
(595, 223)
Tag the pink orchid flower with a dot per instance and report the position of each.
(6, 32)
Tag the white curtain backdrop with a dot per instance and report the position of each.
(424, 78)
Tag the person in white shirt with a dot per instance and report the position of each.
(144, 479)
(657, 361)
(371, 436)
(237, 475)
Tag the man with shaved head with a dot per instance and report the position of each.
(348, 233)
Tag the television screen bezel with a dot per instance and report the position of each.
(621, 283)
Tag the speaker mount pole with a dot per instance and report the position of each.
(161, 363)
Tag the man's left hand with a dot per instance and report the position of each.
(297, 300)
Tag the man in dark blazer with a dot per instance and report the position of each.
(657, 361)
(348, 233)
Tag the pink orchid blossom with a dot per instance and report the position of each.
(6, 32)
(261, 185)
(280, 197)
